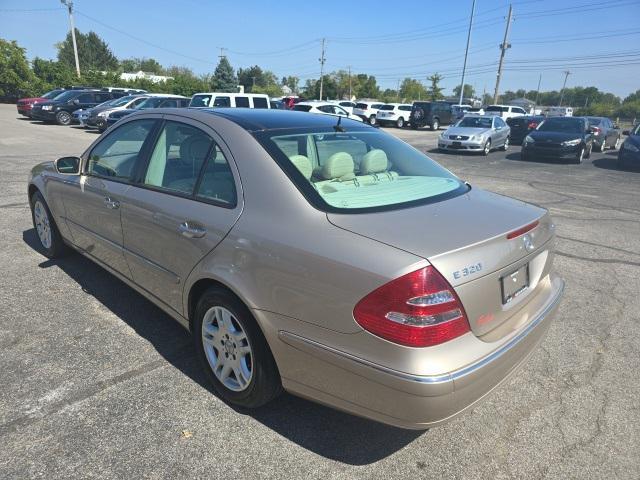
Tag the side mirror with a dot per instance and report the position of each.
(626, 132)
(76, 101)
(68, 165)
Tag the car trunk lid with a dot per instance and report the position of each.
(465, 239)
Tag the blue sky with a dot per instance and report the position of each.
(596, 40)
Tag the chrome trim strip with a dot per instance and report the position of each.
(436, 379)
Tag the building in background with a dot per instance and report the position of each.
(144, 75)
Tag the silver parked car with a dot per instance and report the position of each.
(323, 257)
(476, 133)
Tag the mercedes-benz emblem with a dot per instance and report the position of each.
(528, 243)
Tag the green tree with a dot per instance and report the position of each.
(412, 89)
(261, 79)
(224, 79)
(468, 92)
(93, 52)
(15, 75)
(149, 65)
(435, 90)
(292, 82)
(367, 86)
(634, 97)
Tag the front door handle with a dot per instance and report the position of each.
(191, 230)
(111, 203)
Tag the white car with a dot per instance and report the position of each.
(233, 100)
(505, 111)
(394, 114)
(367, 111)
(325, 108)
(346, 104)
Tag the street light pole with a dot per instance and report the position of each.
(466, 52)
(69, 5)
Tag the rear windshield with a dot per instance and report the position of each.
(69, 94)
(362, 106)
(359, 171)
(387, 107)
(302, 108)
(567, 125)
(495, 108)
(200, 101)
(475, 122)
(594, 121)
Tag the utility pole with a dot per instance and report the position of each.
(535, 104)
(566, 75)
(398, 91)
(222, 55)
(466, 51)
(69, 5)
(349, 82)
(322, 60)
(503, 49)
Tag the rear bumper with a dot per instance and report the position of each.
(334, 377)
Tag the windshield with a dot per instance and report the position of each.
(566, 125)
(52, 94)
(151, 102)
(594, 121)
(359, 171)
(200, 101)
(636, 130)
(118, 102)
(475, 122)
(387, 107)
(64, 96)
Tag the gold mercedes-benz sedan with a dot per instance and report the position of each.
(310, 253)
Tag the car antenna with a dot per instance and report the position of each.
(337, 126)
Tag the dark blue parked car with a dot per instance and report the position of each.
(630, 151)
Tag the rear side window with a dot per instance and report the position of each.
(170, 103)
(116, 155)
(260, 102)
(103, 97)
(405, 108)
(200, 101)
(242, 102)
(217, 183)
(177, 158)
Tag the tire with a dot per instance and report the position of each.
(435, 125)
(372, 120)
(400, 122)
(487, 148)
(505, 146)
(252, 378)
(581, 155)
(63, 118)
(47, 231)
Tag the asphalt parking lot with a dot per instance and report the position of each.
(99, 383)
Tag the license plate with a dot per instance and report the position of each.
(457, 144)
(514, 284)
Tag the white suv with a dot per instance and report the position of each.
(325, 108)
(238, 100)
(394, 113)
(505, 111)
(367, 111)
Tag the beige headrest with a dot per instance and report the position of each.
(338, 166)
(303, 164)
(374, 161)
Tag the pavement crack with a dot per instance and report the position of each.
(598, 260)
(595, 244)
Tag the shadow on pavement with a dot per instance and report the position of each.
(611, 163)
(322, 430)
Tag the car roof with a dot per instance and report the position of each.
(255, 119)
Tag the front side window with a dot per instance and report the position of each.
(86, 98)
(222, 102)
(177, 158)
(360, 170)
(116, 155)
(302, 108)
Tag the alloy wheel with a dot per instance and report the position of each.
(400, 122)
(43, 227)
(227, 349)
(616, 145)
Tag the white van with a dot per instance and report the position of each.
(559, 112)
(237, 100)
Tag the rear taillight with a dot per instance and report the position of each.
(419, 309)
(522, 231)
(532, 125)
(596, 130)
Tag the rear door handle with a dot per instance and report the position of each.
(110, 203)
(191, 230)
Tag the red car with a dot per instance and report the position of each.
(25, 104)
